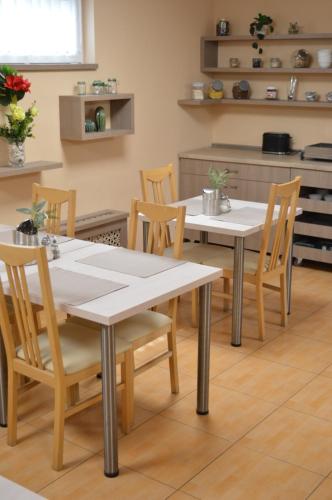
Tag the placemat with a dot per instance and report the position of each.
(73, 288)
(193, 208)
(142, 265)
(246, 216)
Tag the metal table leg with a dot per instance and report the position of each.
(108, 362)
(289, 271)
(237, 291)
(3, 384)
(204, 349)
(204, 237)
(145, 235)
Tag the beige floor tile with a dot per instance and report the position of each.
(180, 495)
(323, 492)
(154, 348)
(242, 474)
(35, 402)
(221, 335)
(169, 451)
(264, 379)
(153, 390)
(317, 326)
(291, 350)
(327, 372)
(231, 414)
(29, 462)
(220, 358)
(85, 429)
(296, 438)
(314, 399)
(88, 482)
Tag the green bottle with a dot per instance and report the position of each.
(100, 119)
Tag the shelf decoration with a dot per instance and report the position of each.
(261, 26)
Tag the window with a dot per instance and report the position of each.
(41, 31)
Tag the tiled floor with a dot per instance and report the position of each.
(268, 435)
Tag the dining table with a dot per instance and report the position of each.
(244, 219)
(146, 281)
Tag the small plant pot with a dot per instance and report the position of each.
(211, 202)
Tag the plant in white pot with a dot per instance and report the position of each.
(261, 26)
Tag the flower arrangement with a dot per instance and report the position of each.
(20, 123)
(13, 87)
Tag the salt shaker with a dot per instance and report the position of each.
(55, 248)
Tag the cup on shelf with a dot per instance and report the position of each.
(324, 57)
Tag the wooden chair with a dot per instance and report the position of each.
(262, 269)
(60, 357)
(56, 199)
(155, 182)
(145, 327)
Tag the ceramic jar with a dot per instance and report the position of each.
(197, 91)
(324, 57)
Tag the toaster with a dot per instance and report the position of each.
(278, 143)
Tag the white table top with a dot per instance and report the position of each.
(141, 294)
(208, 223)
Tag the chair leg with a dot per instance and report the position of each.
(260, 311)
(12, 407)
(72, 395)
(227, 289)
(127, 394)
(283, 299)
(59, 423)
(173, 361)
(194, 308)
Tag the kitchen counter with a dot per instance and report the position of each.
(254, 156)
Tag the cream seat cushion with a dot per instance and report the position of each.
(138, 326)
(225, 260)
(80, 347)
(196, 252)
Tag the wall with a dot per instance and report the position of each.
(246, 125)
(152, 46)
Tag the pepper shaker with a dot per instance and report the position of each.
(55, 248)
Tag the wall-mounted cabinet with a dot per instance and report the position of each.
(74, 110)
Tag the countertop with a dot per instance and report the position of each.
(254, 156)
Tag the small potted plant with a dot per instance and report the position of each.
(36, 220)
(261, 26)
(215, 201)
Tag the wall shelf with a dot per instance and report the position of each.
(210, 53)
(74, 110)
(256, 102)
(29, 168)
(280, 71)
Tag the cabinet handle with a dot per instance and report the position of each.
(232, 187)
(232, 171)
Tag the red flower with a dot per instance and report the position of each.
(17, 83)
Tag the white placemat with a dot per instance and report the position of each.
(193, 208)
(246, 216)
(131, 262)
(73, 288)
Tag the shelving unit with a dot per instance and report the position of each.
(256, 102)
(29, 168)
(74, 110)
(210, 50)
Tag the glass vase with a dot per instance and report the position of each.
(16, 154)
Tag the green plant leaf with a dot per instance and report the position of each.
(39, 206)
(24, 210)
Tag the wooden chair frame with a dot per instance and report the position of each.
(15, 258)
(279, 236)
(55, 199)
(159, 216)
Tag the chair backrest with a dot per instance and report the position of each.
(158, 181)
(280, 238)
(15, 259)
(158, 216)
(56, 199)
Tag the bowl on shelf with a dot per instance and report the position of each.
(311, 96)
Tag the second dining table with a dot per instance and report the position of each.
(245, 218)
